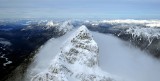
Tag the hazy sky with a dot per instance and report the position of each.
(80, 9)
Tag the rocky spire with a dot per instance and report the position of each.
(77, 61)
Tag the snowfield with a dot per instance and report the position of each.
(46, 53)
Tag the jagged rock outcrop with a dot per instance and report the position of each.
(77, 61)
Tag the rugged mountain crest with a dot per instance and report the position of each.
(51, 24)
(64, 27)
(77, 61)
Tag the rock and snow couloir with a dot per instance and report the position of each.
(77, 61)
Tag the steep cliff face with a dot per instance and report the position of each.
(77, 61)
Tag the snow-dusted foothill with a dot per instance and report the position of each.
(42, 24)
(58, 27)
(148, 33)
(138, 28)
(145, 38)
(77, 61)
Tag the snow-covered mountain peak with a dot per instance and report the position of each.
(83, 29)
(50, 23)
(65, 26)
(77, 61)
(83, 45)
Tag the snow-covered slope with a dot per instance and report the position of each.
(65, 26)
(147, 33)
(49, 51)
(50, 24)
(77, 61)
(58, 27)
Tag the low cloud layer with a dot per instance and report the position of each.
(122, 59)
